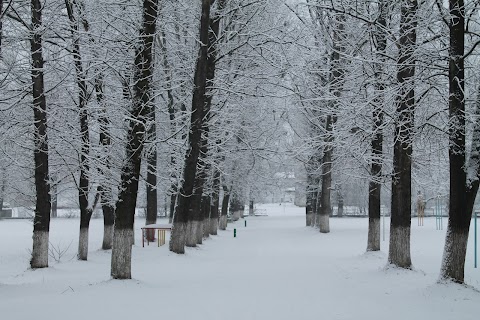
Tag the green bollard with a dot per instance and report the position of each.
(234, 233)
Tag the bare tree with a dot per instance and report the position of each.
(399, 249)
(86, 210)
(374, 188)
(41, 225)
(183, 212)
(127, 198)
(463, 187)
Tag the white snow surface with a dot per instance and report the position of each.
(276, 268)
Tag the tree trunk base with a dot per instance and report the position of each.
(122, 254)
(178, 237)
(236, 215)
(324, 223)
(40, 250)
(373, 243)
(191, 236)
(399, 248)
(316, 223)
(107, 237)
(83, 244)
(213, 227)
(222, 224)
(200, 231)
(309, 219)
(206, 227)
(453, 262)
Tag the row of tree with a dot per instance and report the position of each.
(168, 93)
(201, 94)
(383, 76)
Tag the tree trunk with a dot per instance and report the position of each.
(236, 207)
(336, 80)
(325, 201)
(127, 198)
(374, 187)
(225, 201)
(173, 202)
(317, 204)
(206, 204)
(339, 201)
(108, 221)
(83, 184)
(250, 208)
(41, 223)
(104, 189)
(184, 209)
(399, 249)
(462, 196)
(309, 208)
(152, 175)
(215, 203)
(54, 196)
(173, 128)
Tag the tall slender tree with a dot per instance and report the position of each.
(127, 198)
(183, 212)
(151, 216)
(462, 191)
(86, 211)
(374, 188)
(399, 249)
(41, 223)
(336, 83)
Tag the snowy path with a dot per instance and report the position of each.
(276, 268)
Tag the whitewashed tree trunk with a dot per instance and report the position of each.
(200, 232)
(83, 244)
(373, 243)
(324, 223)
(178, 237)
(222, 225)
(309, 221)
(192, 233)
(41, 223)
(107, 237)
(122, 254)
(399, 249)
(213, 226)
(454, 253)
(40, 249)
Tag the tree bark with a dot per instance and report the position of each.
(462, 191)
(151, 174)
(339, 201)
(399, 249)
(374, 187)
(236, 206)
(224, 213)
(205, 207)
(336, 80)
(104, 189)
(83, 183)
(309, 208)
(184, 209)
(41, 225)
(215, 203)
(127, 198)
(54, 195)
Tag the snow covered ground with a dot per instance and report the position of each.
(275, 269)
